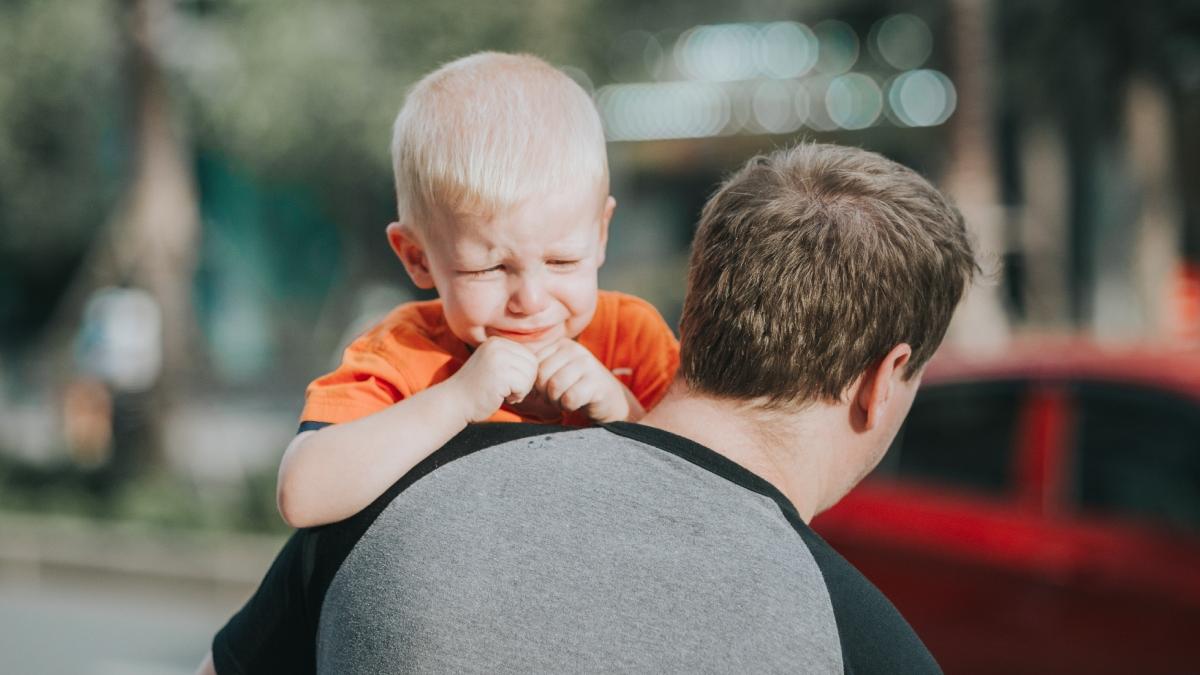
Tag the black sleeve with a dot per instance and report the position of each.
(875, 637)
(274, 632)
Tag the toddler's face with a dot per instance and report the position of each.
(528, 274)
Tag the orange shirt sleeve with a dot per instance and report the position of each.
(364, 383)
(408, 351)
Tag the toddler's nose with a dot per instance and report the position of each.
(529, 296)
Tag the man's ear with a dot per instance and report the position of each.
(411, 251)
(610, 204)
(878, 384)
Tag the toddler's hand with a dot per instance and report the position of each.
(499, 371)
(570, 376)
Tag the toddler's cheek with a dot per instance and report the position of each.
(581, 309)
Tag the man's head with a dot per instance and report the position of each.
(502, 188)
(818, 274)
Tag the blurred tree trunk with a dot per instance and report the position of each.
(971, 178)
(161, 226)
(150, 243)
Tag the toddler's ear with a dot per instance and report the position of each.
(409, 249)
(609, 205)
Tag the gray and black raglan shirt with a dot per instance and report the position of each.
(531, 549)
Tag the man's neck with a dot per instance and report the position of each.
(787, 450)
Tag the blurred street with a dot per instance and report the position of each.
(109, 601)
(90, 626)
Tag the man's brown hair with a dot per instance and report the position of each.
(809, 265)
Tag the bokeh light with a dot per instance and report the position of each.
(741, 110)
(854, 101)
(921, 98)
(786, 49)
(802, 102)
(902, 41)
(718, 53)
(774, 105)
(838, 47)
(815, 89)
(634, 112)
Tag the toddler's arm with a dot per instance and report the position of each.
(331, 474)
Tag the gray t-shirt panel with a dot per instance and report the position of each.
(581, 551)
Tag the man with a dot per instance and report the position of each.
(822, 279)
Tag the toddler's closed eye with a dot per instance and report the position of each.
(483, 272)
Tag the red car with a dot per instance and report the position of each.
(1040, 512)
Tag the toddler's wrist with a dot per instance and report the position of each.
(456, 398)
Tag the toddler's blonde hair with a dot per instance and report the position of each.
(481, 133)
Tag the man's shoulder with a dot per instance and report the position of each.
(559, 529)
(627, 461)
(474, 438)
(543, 521)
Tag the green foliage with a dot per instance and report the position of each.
(58, 103)
(158, 500)
(60, 171)
(293, 89)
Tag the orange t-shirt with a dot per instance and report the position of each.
(412, 348)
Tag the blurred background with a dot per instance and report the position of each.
(192, 202)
